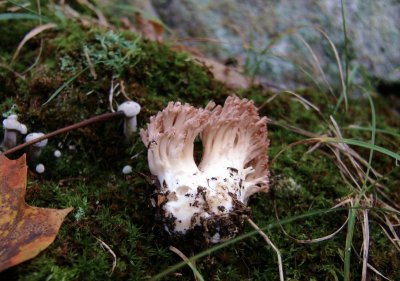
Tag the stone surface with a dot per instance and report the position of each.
(279, 40)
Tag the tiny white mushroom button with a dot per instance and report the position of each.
(57, 153)
(40, 168)
(127, 169)
(130, 109)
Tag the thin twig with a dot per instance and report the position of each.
(95, 119)
(90, 64)
(104, 245)
(111, 94)
(12, 71)
(122, 83)
(278, 253)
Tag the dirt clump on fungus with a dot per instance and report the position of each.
(199, 236)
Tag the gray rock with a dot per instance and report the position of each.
(278, 40)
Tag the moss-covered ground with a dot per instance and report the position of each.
(116, 208)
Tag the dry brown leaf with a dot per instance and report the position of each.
(226, 74)
(150, 29)
(229, 75)
(24, 230)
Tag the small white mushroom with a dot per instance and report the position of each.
(40, 168)
(35, 149)
(127, 170)
(130, 109)
(57, 153)
(12, 128)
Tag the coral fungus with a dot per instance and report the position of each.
(211, 196)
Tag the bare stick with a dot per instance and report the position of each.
(104, 245)
(95, 119)
(278, 253)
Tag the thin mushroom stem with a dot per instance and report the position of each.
(266, 238)
(95, 119)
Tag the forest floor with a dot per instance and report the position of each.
(319, 154)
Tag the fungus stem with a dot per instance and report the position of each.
(95, 119)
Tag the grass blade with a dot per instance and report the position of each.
(196, 273)
(346, 55)
(242, 237)
(363, 144)
(21, 16)
(64, 85)
(352, 220)
(384, 131)
(37, 30)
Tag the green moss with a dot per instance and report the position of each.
(116, 208)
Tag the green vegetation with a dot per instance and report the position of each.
(116, 209)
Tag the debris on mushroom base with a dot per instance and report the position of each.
(211, 196)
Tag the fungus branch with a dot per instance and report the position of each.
(170, 141)
(235, 137)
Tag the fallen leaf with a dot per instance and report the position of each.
(230, 75)
(227, 74)
(24, 230)
(150, 29)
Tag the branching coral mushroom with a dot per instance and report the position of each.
(209, 198)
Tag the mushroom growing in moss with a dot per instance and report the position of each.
(209, 198)
(12, 129)
(35, 150)
(130, 109)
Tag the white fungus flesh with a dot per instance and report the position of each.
(234, 164)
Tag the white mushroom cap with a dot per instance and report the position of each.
(23, 129)
(11, 123)
(33, 136)
(130, 108)
(127, 169)
(40, 168)
(57, 153)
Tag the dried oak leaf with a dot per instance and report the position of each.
(24, 230)
(229, 75)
